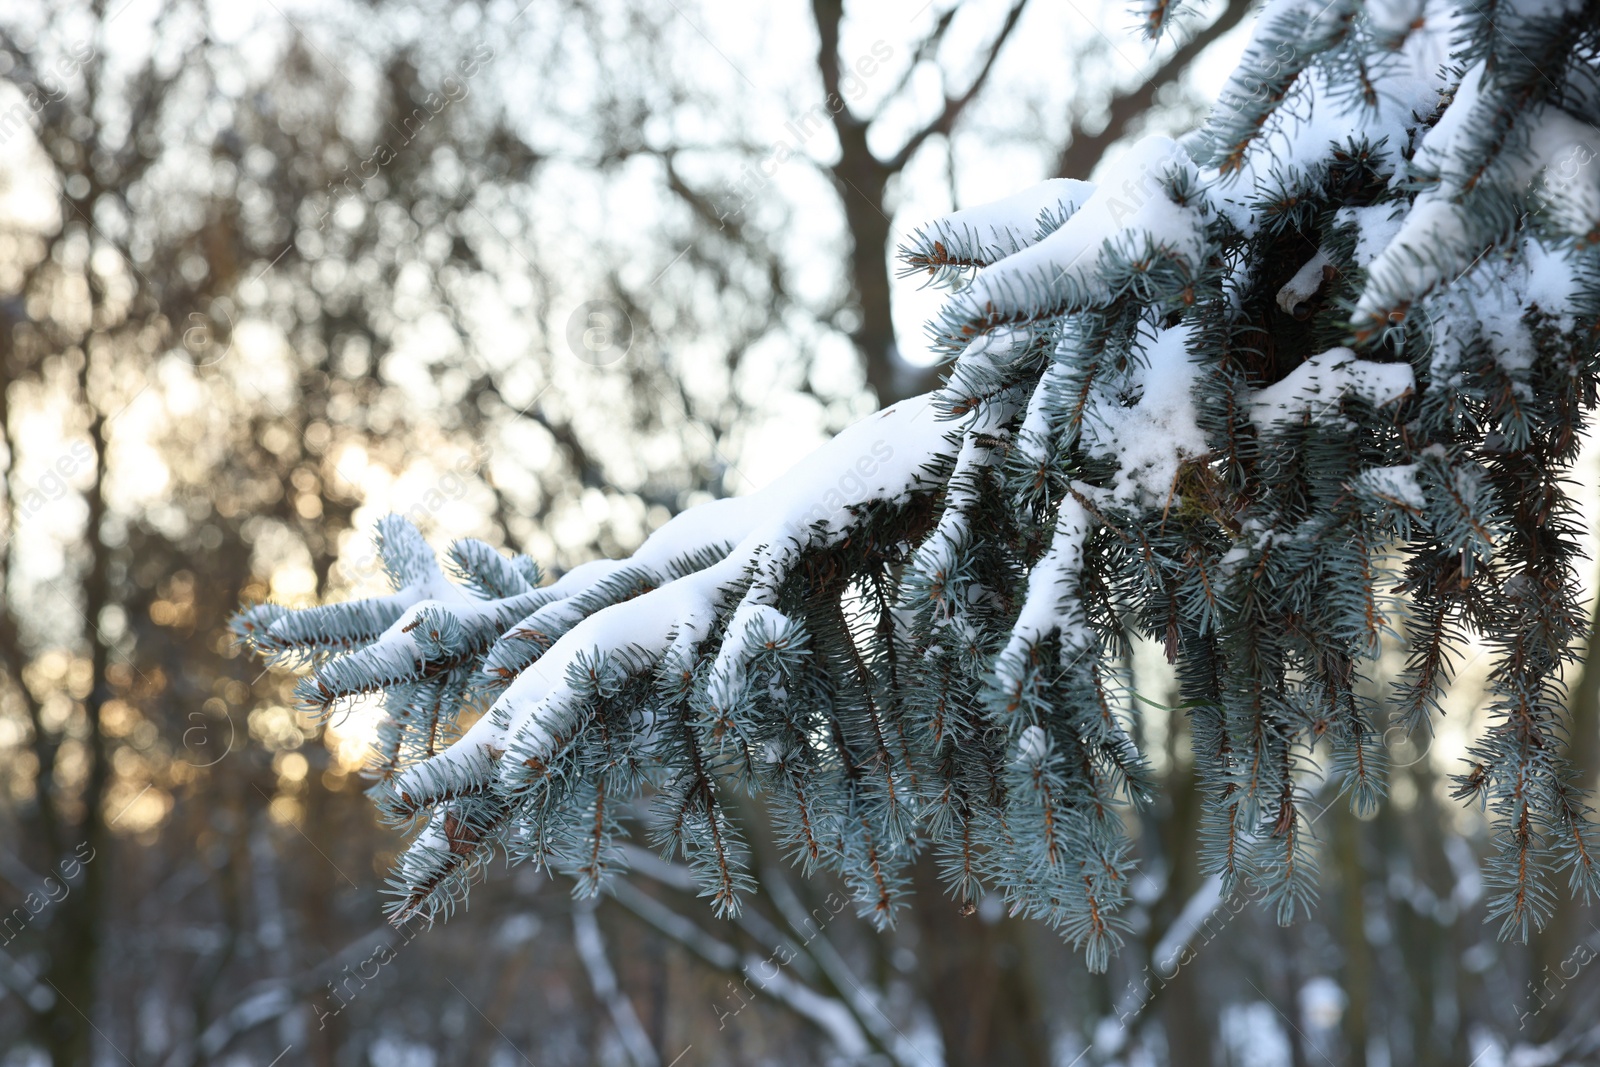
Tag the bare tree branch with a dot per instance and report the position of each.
(1080, 154)
(927, 49)
(603, 980)
(954, 106)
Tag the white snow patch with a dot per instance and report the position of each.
(1317, 385)
(1052, 602)
(1305, 283)
(1179, 935)
(1398, 483)
(1129, 205)
(1151, 438)
(991, 231)
(1376, 225)
(1254, 1036)
(1032, 747)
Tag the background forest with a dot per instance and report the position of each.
(547, 275)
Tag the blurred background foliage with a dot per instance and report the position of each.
(268, 271)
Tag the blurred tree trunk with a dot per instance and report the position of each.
(1172, 987)
(1585, 706)
(1357, 978)
(862, 181)
(74, 931)
(1190, 1031)
(973, 975)
(1552, 951)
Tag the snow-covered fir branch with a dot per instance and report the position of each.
(1226, 397)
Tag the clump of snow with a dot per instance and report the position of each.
(1052, 604)
(989, 232)
(1392, 18)
(1321, 382)
(1322, 115)
(750, 623)
(1033, 437)
(1565, 148)
(1284, 33)
(1433, 246)
(1552, 279)
(1429, 249)
(1305, 283)
(1437, 152)
(1152, 437)
(936, 555)
(1376, 225)
(985, 354)
(1397, 483)
(1032, 747)
(1131, 210)
(1488, 305)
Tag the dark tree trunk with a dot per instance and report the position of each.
(862, 182)
(975, 977)
(1357, 978)
(1190, 1031)
(1555, 956)
(74, 931)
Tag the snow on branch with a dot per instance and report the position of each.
(1140, 228)
(1258, 395)
(979, 236)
